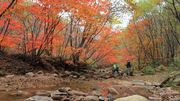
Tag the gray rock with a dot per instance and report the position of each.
(102, 98)
(113, 91)
(76, 73)
(82, 78)
(74, 76)
(155, 84)
(95, 93)
(91, 98)
(43, 93)
(19, 93)
(9, 76)
(155, 98)
(67, 73)
(64, 89)
(54, 75)
(39, 98)
(176, 80)
(132, 98)
(110, 97)
(77, 93)
(79, 98)
(57, 92)
(66, 99)
(40, 72)
(172, 79)
(56, 95)
(30, 74)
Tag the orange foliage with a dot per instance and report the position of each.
(39, 25)
(8, 41)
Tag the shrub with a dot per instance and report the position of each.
(160, 68)
(177, 62)
(171, 67)
(149, 70)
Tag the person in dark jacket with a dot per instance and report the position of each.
(128, 68)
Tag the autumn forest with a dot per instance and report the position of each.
(78, 35)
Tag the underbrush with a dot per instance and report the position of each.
(52, 64)
(148, 70)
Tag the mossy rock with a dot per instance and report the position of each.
(2, 73)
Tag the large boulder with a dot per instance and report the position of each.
(91, 98)
(176, 80)
(171, 80)
(39, 98)
(132, 98)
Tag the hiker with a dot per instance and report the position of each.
(115, 68)
(110, 97)
(128, 68)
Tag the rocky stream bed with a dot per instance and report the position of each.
(72, 86)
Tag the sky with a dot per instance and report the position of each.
(124, 17)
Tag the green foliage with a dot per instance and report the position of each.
(27, 3)
(149, 70)
(160, 68)
(171, 67)
(155, 64)
(177, 62)
(142, 6)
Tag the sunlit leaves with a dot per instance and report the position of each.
(140, 7)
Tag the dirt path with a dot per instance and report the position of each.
(158, 77)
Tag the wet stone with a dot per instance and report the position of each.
(78, 93)
(64, 89)
(43, 93)
(39, 98)
(30, 74)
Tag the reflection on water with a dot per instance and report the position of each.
(25, 93)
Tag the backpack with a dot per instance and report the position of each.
(115, 66)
